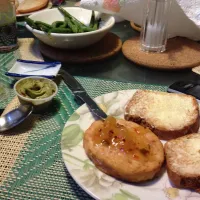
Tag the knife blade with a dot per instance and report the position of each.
(80, 93)
(1, 110)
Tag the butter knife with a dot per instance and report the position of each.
(80, 94)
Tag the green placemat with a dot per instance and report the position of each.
(39, 172)
(6, 62)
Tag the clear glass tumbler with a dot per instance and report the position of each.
(8, 29)
(155, 21)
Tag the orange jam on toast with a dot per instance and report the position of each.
(126, 139)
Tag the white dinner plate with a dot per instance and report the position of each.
(98, 184)
(49, 5)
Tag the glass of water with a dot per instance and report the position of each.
(155, 21)
(8, 29)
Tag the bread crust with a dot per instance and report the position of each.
(162, 132)
(119, 165)
(179, 178)
(30, 6)
(183, 181)
(165, 134)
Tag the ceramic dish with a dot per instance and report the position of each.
(70, 40)
(49, 5)
(39, 104)
(97, 184)
(26, 68)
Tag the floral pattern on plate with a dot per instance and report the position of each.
(96, 183)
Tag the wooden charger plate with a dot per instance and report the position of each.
(108, 46)
(181, 53)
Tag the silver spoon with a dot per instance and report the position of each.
(15, 117)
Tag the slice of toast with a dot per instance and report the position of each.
(183, 161)
(168, 115)
(118, 156)
(31, 5)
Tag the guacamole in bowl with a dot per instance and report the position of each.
(35, 88)
(37, 91)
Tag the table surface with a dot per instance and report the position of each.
(40, 158)
(121, 69)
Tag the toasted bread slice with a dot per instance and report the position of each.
(183, 161)
(168, 115)
(31, 5)
(133, 165)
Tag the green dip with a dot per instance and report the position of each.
(35, 89)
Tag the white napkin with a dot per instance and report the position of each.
(184, 17)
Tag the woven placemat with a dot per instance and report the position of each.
(196, 70)
(38, 171)
(11, 142)
(181, 53)
(28, 49)
(108, 46)
(31, 165)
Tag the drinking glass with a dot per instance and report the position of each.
(8, 29)
(155, 21)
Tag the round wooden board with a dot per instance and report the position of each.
(181, 53)
(135, 26)
(108, 46)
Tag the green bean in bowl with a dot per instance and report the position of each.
(70, 27)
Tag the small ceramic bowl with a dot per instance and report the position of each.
(38, 104)
(70, 40)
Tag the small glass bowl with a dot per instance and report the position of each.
(38, 104)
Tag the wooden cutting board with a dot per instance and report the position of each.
(108, 46)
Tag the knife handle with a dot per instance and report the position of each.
(66, 78)
(91, 104)
(81, 95)
(70, 81)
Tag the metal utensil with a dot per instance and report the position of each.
(15, 117)
(80, 94)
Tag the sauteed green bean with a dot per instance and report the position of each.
(69, 25)
(59, 24)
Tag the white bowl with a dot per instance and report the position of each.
(38, 104)
(70, 40)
